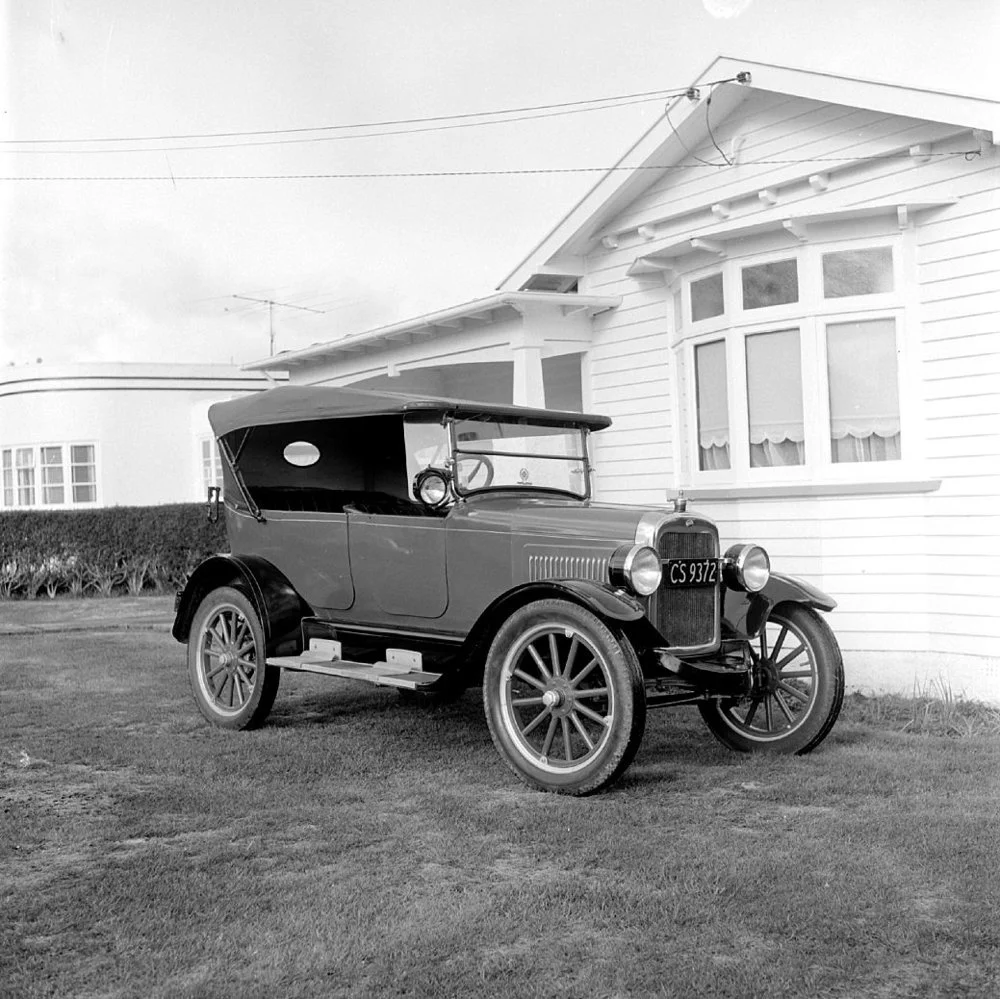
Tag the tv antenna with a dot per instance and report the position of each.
(270, 303)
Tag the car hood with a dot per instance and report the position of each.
(555, 517)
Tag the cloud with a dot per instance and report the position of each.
(726, 8)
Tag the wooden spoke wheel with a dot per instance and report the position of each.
(232, 684)
(798, 687)
(564, 698)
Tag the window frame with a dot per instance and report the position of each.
(810, 315)
(40, 486)
(215, 459)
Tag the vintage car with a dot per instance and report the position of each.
(435, 544)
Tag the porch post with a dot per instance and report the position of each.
(529, 387)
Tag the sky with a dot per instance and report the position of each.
(136, 249)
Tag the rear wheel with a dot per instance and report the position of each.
(798, 687)
(231, 682)
(564, 698)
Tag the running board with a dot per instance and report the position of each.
(382, 674)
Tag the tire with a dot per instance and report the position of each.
(232, 685)
(564, 698)
(800, 688)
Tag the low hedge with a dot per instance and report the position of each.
(121, 549)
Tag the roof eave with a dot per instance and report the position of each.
(444, 319)
(660, 144)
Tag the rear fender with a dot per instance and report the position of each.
(278, 606)
(745, 613)
(608, 604)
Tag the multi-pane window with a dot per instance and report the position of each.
(24, 462)
(798, 364)
(211, 464)
(49, 475)
(84, 473)
(6, 462)
(53, 488)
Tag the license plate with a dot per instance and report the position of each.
(691, 572)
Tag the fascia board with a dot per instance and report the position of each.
(873, 95)
(658, 146)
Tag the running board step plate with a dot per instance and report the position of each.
(381, 674)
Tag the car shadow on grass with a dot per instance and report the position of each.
(423, 731)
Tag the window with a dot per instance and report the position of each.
(794, 365)
(211, 465)
(776, 283)
(84, 473)
(25, 461)
(57, 475)
(864, 390)
(52, 476)
(8, 478)
(707, 297)
(857, 272)
(774, 399)
(713, 405)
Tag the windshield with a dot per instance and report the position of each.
(492, 454)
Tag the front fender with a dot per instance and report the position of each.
(745, 613)
(278, 606)
(605, 602)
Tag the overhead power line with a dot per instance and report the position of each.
(581, 105)
(968, 154)
(197, 147)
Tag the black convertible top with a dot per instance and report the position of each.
(298, 403)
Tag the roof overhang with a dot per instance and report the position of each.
(479, 312)
(668, 141)
(661, 261)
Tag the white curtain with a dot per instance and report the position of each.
(713, 406)
(774, 399)
(864, 391)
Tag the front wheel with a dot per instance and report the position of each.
(564, 698)
(232, 684)
(798, 687)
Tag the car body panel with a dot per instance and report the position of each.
(311, 548)
(399, 565)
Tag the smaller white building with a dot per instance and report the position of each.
(90, 435)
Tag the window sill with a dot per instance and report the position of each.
(792, 490)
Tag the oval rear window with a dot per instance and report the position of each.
(301, 453)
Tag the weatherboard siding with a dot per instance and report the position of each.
(958, 274)
(915, 575)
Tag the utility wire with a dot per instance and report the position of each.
(619, 100)
(968, 154)
(327, 138)
(708, 125)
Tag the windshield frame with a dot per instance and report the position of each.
(456, 449)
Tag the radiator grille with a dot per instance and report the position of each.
(686, 617)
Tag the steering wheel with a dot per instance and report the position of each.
(480, 465)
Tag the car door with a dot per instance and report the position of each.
(310, 549)
(399, 564)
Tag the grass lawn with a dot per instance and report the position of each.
(362, 846)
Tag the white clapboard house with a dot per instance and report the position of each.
(789, 303)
